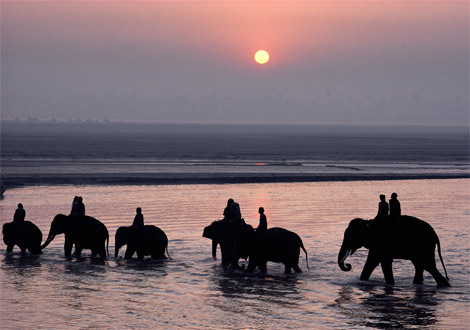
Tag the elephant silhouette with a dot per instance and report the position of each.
(82, 231)
(25, 234)
(403, 237)
(147, 240)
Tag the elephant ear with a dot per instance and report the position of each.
(371, 231)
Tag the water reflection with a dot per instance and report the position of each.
(267, 288)
(389, 307)
(21, 264)
(151, 265)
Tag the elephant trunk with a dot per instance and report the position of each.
(214, 249)
(49, 239)
(343, 254)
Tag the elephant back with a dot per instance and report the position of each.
(156, 233)
(280, 243)
(23, 232)
(87, 228)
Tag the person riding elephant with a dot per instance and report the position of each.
(82, 231)
(146, 240)
(227, 209)
(138, 219)
(395, 208)
(263, 222)
(25, 234)
(20, 214)
(406, 238)
(224, 233)
(273, 244)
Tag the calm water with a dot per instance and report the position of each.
(193, 292)
(55, 153)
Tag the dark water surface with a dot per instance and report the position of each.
(193, 292)
(48, 153)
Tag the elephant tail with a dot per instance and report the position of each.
(166, 247)
(440, 257)
(107, 244)
(306, 255)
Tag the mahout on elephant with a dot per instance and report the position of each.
(273, 244)
(84, 232)
(25, 234)
(146, 240)
(224, 232)
(402, 237)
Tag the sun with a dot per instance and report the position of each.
(261, 56)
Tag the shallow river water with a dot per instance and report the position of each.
(193, 292)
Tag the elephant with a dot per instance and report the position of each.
(274, 244)
(83, 231)
(25, 234)
(148, 240)
(403, 237)
(224, 233)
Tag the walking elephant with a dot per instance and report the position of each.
(224, 233)
(26, 235)
(148, 240)
(273, 244)
(403, 237)
(83, 231)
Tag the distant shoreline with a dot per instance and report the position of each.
(192, 179)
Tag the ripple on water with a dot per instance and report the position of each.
(193, 291)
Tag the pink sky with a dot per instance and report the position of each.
(324, 56)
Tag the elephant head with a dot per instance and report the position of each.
(58, 226)
(213, 232)
(8, 233)
(121, 238)
(244, 242)
(355, 237)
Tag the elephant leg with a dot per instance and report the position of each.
(251, 265)
(234, 265)
(93, 252)
(297, 269)
(287, 269)
(23, 249)
(35, 250)
(78, 251)
(10, 248)
(418, 279)
(440, 280)
(262, 267)
(225, 258)
(369, 267)
(129, 253)
(157, 255)
(140, 255)
(387, 270)
(101, 251)
(68, 248)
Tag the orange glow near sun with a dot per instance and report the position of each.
(261, 57)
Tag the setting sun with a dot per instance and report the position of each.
(261, 56)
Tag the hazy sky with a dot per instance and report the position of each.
(387, 62)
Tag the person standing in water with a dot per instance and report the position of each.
(395, 208)
(138, 219)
